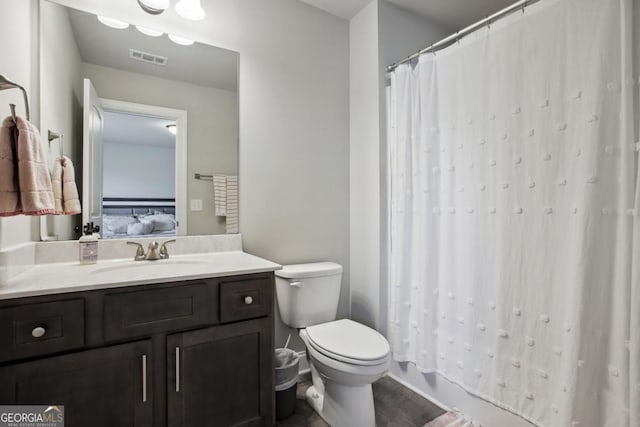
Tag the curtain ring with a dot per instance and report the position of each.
(523, 6)
(488, 22)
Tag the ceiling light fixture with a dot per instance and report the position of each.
(154, 7)
(172, 128)
(113, 23)
(180, 40)
(190, 9)
(149, 32)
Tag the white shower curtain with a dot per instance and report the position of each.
(514, 238)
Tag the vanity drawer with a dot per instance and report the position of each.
(141, 313)
(36, 329)
(245, 299)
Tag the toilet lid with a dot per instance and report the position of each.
(347, 339)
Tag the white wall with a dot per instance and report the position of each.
(364, 166)
(212, 130)
(61, 102)
(18, 30)
(125, 176)
(294, 122)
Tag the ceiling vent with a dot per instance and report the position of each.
(149, 58)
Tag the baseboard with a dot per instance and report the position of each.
(420, 392)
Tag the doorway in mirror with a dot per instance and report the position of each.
(139, 190)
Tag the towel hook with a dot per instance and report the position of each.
(13, 112)
(51, 135)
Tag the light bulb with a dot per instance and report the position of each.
(190, 9)
(113, 23)
(180, 40)
(154, 7)
(149, 32)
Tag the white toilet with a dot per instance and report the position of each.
(345, 356)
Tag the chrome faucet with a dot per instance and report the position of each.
(154, 251)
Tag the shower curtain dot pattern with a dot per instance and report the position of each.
(513, 170)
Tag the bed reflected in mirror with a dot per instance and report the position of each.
(136, 200)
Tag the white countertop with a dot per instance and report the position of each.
(62, 277)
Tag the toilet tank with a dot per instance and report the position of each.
(308, 293)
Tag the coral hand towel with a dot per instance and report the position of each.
(56, 183)
(9, 188)
(65, 192)
(36, 193)
(70, 199)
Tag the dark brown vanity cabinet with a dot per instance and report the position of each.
(195, 353)
(103, 387)
(193, 377)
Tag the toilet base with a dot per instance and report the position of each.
(343, 406)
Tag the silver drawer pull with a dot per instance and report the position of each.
(248, 300)
(144, 377)
(177, 369)
(38, 332)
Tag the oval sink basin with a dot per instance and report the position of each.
(150, 266)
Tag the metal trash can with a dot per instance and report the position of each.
(287, 364)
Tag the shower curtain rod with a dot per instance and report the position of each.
(466, 31)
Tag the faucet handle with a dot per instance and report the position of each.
(164, 253)
(139, 252)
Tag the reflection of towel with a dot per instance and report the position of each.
(220, 194)
(34, 182)
(9, 188)
(232, 204)
(65, 191)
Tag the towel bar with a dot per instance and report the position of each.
(8, 84)
(203, 177)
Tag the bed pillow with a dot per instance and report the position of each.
(117, 224)
(161, 222)
(139, 228)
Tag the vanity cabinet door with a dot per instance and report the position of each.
(221, 376)
(106, 387)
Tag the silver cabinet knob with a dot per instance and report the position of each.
(38, 332)
(248, 300)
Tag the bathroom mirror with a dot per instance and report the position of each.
(125, 89)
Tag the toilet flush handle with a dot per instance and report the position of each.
(296, 284)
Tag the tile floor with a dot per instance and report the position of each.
(396, 406)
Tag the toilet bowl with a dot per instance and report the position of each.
(343, 396)
(345, 357)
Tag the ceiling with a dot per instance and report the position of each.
(125, 128)
(346, 9)
(199, 64)
(450, 14)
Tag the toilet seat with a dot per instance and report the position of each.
(349, 342)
